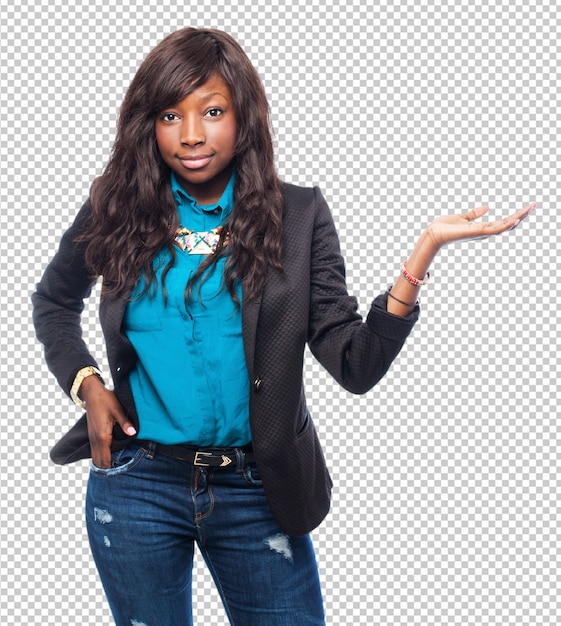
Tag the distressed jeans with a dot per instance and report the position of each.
(143, 517)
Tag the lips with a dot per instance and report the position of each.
(196, 161)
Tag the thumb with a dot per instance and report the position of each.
(126, 425)
(476, 213)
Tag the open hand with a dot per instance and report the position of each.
(440, 232)
(452, 228)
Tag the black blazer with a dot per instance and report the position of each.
(305, 303)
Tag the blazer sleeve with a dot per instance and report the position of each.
(356, 353)
(58, 303)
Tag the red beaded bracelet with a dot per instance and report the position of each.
(411, 279)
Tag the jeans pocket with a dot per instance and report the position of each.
(253, 476)
(122, 461)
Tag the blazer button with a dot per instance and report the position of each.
(258, 383)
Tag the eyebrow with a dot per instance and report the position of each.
(210, 96)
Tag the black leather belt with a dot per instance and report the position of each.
(208, 457)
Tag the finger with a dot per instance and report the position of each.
(101, 452)
(514, 220)
(522, 215)
(483, 230)
(501, 226)
(100, 434)
(476, 213)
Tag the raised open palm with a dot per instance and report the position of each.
(453, 228)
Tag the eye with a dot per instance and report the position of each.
(168, 117)
(215, 112)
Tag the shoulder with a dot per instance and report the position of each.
(305, 201)
(296, 193)
(307, 216)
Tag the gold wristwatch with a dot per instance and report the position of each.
(90, 370)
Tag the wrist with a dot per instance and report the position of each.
(427, 244)
(84, 379)
(423, 254)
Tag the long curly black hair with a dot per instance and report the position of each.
(133, 209)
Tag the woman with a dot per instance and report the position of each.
(215, 276)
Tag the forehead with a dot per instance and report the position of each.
(214, 86)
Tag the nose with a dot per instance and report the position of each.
(192, 131)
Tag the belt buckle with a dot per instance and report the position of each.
(198, 462)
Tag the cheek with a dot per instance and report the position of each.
(163, 139)
(230, 136)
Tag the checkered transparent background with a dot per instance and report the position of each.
(446, 489)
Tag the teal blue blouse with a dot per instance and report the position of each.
(190, 384)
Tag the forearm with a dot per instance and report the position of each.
(403, 295)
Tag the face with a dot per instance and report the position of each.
(196, 138)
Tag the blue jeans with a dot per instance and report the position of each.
(145, 513)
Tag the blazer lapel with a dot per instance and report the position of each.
(112, 311)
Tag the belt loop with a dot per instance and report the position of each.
(152, 446)
(240, 460)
